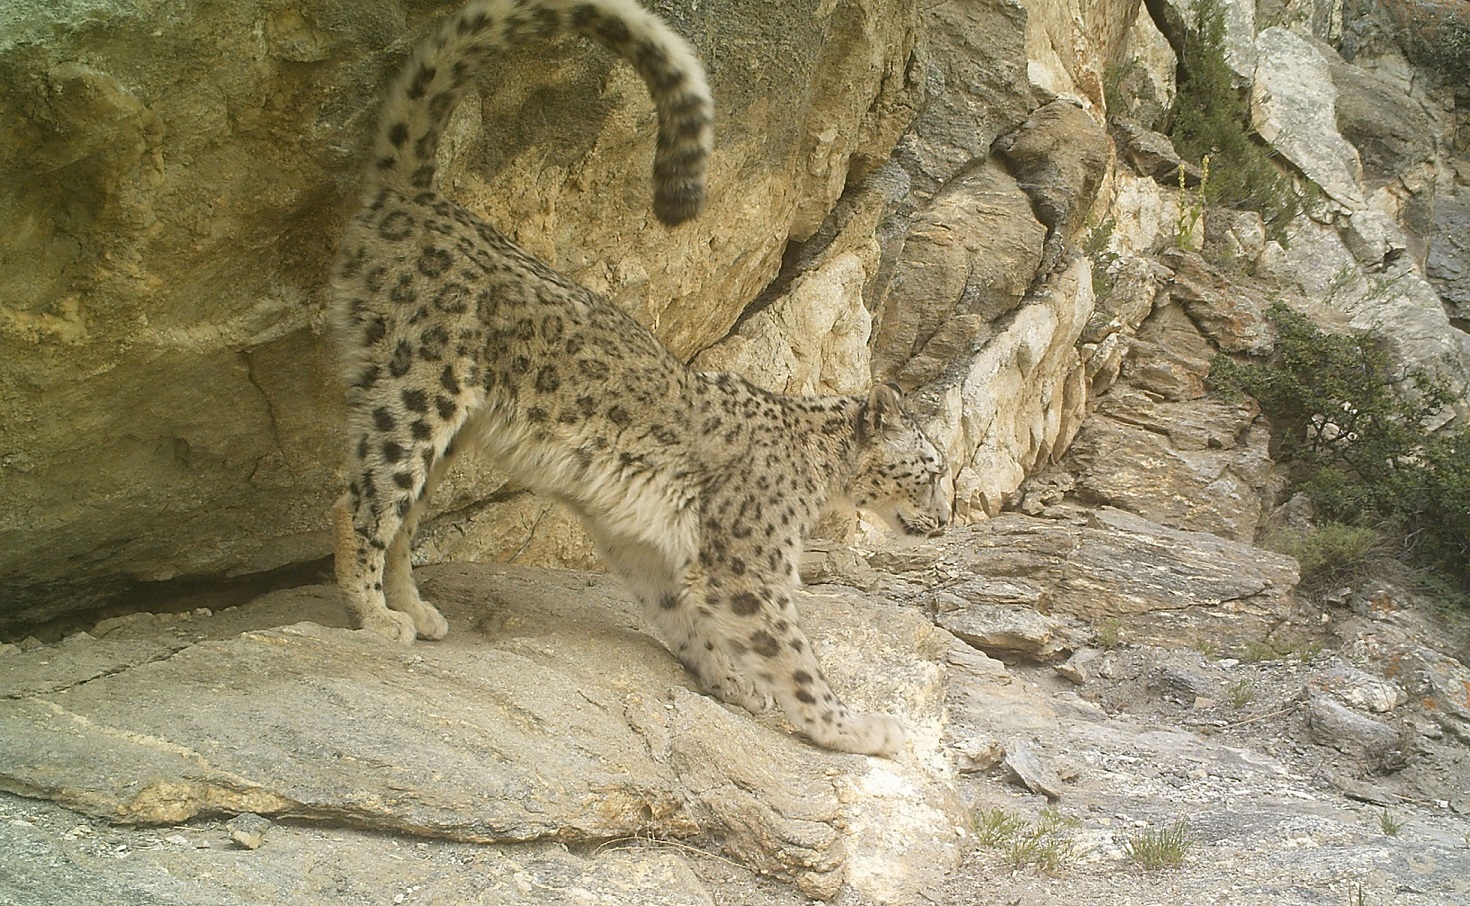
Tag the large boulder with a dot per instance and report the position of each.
(1059, 156)
(969, 257)
(1294, 107)
(545, 715)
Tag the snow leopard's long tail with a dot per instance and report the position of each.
(426, 92)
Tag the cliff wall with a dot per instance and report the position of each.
(900, 192)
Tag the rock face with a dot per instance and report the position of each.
(178, 197)
(901, 199)
(917, 264)
(1294, 105)
(1200, 464)
(1449, 253)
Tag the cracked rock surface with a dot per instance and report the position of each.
(547, 717)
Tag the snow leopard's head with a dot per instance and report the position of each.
(901, 476)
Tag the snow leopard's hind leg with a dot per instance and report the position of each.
(678, 617)
(399, 587)
(754, 623)
(373, 523)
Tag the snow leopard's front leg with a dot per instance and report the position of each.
(680, 619)
(747, 618)
(662, 582)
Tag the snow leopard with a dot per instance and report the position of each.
(698, 489)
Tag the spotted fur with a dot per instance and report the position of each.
(697, 488)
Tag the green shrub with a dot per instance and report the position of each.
(996, 827)
(1242, 692)
(1047, 843)
(1390, 825)
(1333, 554)
(1162, 848)
(1211, 118)
(1096, 247)
(1354, 432)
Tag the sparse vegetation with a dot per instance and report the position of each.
(1258, 652)
(1188, 231)
(1096, 246)
(1242, 692)
(1211, 118)
(1389, 824)
(1115, 78)
(1301, 649)
(1109, 635)
(1099, 238)
(995, 827)
(1304, 650)
(1355, 432)
(1045, 844)
(1162, 848)
(1437, 37)
(1333, 554)
(1206, 647)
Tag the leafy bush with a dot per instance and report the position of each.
(1211, 118)
(1355, 435)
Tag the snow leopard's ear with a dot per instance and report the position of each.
(883, 408)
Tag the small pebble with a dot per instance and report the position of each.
(248, 830)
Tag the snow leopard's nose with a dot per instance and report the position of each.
(943, 511)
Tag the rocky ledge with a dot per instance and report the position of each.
(548, 751)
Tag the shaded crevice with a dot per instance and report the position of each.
(795, 259)
(171, 596)
(1170, 23)
(801, 255)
